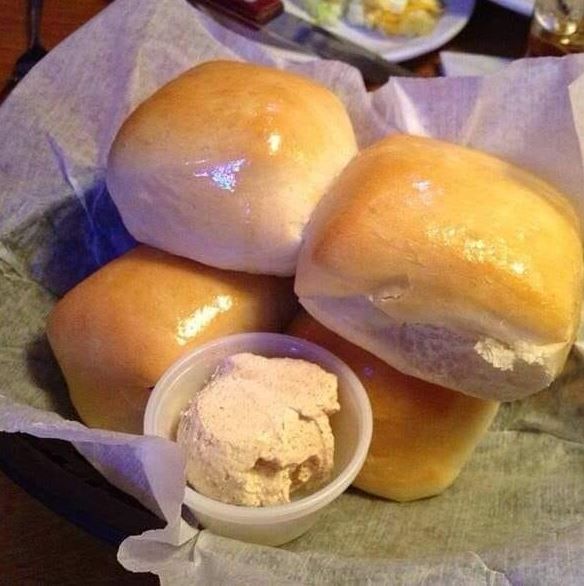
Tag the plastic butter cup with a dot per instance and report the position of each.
(352, 429)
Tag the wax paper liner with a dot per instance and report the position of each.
(515, 515)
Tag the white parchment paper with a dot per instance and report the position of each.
(516, 514)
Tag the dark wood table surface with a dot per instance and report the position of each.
(36, 545)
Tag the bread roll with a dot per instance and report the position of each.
(449, 264)
(116, 332)
(225, 164)
(422, 433)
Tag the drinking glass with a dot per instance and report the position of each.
(557, 28)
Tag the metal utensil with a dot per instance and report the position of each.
(35, 51)
(272, 24)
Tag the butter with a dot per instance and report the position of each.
(260, 431)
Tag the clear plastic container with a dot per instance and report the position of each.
(352, 428)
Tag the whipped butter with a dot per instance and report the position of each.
(260, 430)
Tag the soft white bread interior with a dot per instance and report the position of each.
(225, 164)
(449, 264)
(422, 433)
(117, 331)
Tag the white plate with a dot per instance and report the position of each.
(394, 48)
(524, 7)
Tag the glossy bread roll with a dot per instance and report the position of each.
(422, 433)
(226, 163)
(449, 264)
(116, 332)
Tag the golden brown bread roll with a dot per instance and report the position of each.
(449, 264)
(116, 332)
(422, 433)
(226, 163)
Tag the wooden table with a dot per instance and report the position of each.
(36, 545)
(492, 31)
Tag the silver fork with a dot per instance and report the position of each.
(35, 51)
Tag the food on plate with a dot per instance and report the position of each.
(226, 163)
(325, 11)
(117, 331)
(422, 433)
(259, 431)
(410, 18)
(449, 264)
